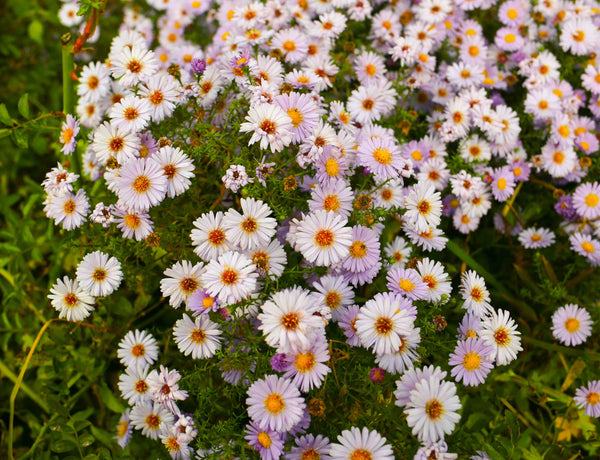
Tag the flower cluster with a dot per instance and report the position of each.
(370, 153)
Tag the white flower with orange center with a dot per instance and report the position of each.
(432, 409)
(382, 322)
(289, 319)
(275, 403)
(571, 325)
(323, 238)
(423, 207)
(231, 278)
(357, 444)
(270, 125)
(307, 367)
(199, 337)
(99, 274)
(182, 280)
(137, 348)
(209, 236)
(152, 418)
(500, 332)
(253, 228)
(70, 300)
(141, 184)
(475, 294)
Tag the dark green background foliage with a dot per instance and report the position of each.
(68, 403)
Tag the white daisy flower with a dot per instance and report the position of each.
(183, 280)
(423, 207)
(133, 385)
(209, 238)
(500, 331)
(69, 209)
(307, 367)
(269, 260)
(475, 294)
(288, 319)
(99, 274)
(433, 274)
(141, 184)
(200, 338)
(252, 228)
(333, 292)
(137, 347)
(381, 323)
(131, 113)
(161, 91)
(70, 300)
(360, 444)
(133, 64)
(152, 418)
(323, 238)
(231, 278)
(432, 409)
(111, 141)
(404, 357)
(94, 82)
(270, 125)
(177, 167)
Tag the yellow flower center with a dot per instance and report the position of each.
(572, 325)
(406, 285)
(382, 156)
(296, 117)
(587, 247)
(305, 362)
(471, 361)
(591, 200)
(501, 183)
(274, 403)
(264, 439)
(592, 398)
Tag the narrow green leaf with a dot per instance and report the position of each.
(23, 105)
(5, 116)
(111, 401)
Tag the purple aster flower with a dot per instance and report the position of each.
(268, 443)
(586, 200)
(571, 325)
(198, 65)
(149, 146)
(275, 403)
(588, 398)
(587, 142)
(471, 361)
(141, 184)
(201, 302)
(469, 326)
(564, 206)
(503, 183)
(279, 362)
(520, 170)
(310, 447)
(263, 171)
(364, 251)
(377, 374)
(449, 204)
(303, 111)
(347, 322)
(407, 282)
(381, 156)
(586, 246)
(241, 60)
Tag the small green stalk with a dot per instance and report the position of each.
(68, 104)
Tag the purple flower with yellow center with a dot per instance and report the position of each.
(201, 302)
(471, 361)
(268, 443)
(275, 403)
(503, 183)
(586, 200)
(588, 398)
(364, 251)
(407, 282)
(564, 206)
(571, 325)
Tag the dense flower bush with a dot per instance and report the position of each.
(332, 209)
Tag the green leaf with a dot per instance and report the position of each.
(36, 31)
(18, 137)
(86, 440)
(23, 105)
(5, 116)
(63, 445)
(111, 401)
